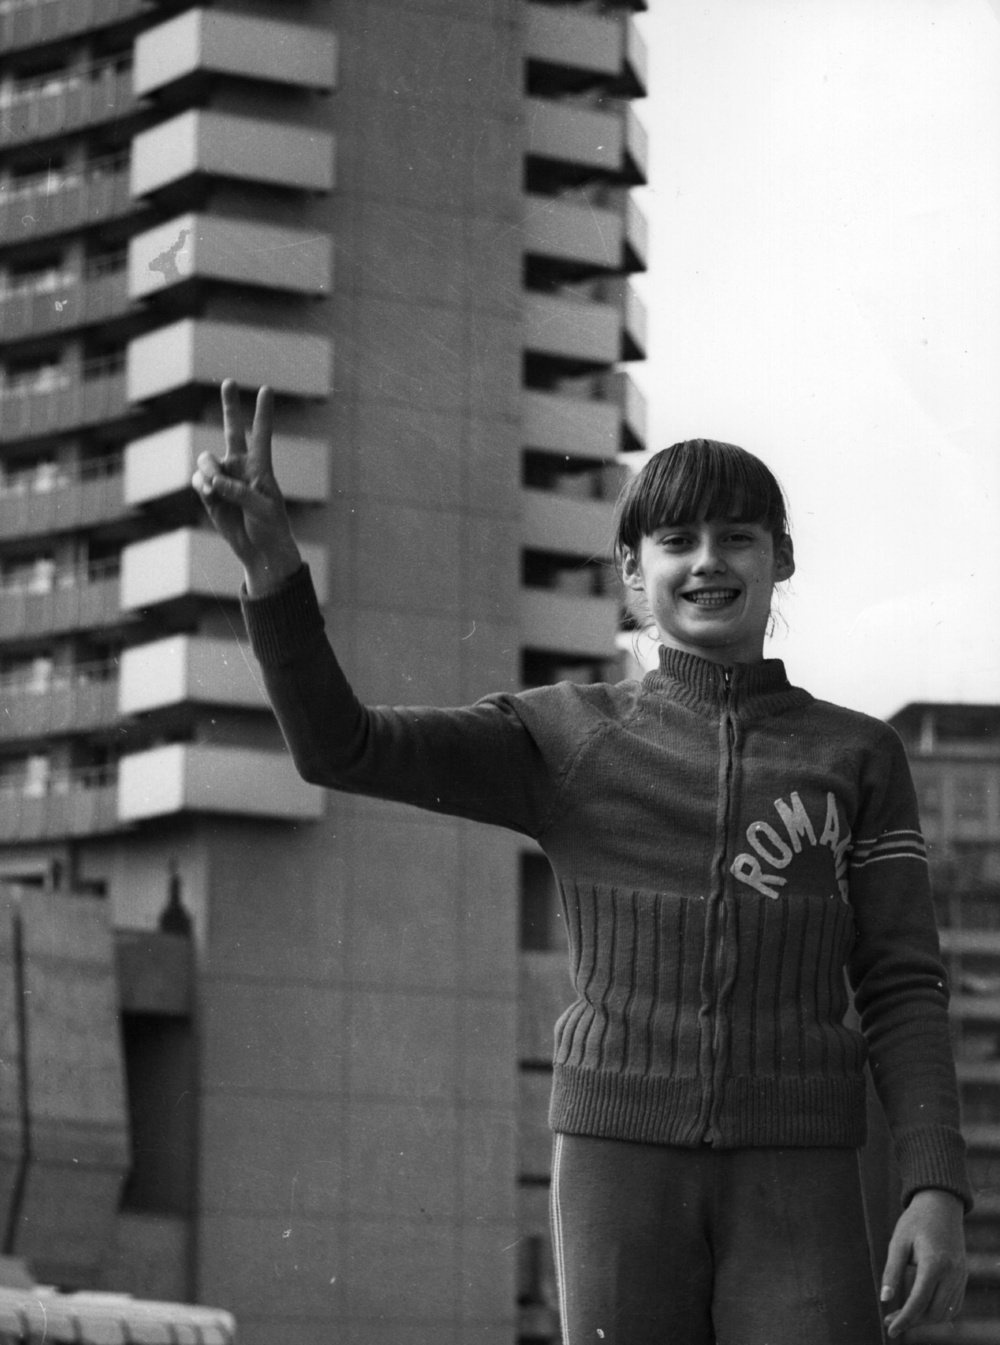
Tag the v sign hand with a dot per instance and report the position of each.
(242, 497)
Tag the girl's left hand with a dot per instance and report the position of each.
(928, 1237)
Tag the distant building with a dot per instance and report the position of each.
(411, 217)
(954, 753)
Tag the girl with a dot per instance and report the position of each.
(726, 846)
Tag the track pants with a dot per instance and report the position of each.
(668, 1246)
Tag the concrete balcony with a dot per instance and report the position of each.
(586, 236)
(161, 464)
(237, 252)
(620, 388)
(976, 1008)
(636, 148)
(579, 332)
(559, 623)
(193, 351)
(574, 426)
(76, 600)
(978, 1072)
(220, 144)
(29, 23)
(971, 941)
(209, 42)
(193, 777)
(636, 236)
(191, 562)
(634, 322)
(75, 304)
(185, 669)
(77, 102)
(69, 399)
(50, 499)
(608, 144)
(559, 523)
(65, 201)
(74, 803)
(77, 700)
(608, 48)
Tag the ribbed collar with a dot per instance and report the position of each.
(700, 682)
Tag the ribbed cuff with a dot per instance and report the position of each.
(933, 1156)
(283, 625)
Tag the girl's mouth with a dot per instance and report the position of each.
(711, 597)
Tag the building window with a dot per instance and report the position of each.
(971, 798)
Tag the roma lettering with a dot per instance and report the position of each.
(776, 845)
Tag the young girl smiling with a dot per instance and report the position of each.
(730, 852)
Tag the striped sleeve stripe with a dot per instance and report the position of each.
(890, 845)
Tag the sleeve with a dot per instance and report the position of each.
(479, 762)
(899, 980)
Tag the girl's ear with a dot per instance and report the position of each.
(631, 574)
(784, 559)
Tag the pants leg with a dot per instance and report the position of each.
(791, 1244)
(657, 1245)
(629, 1235)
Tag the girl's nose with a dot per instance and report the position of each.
(708, 559)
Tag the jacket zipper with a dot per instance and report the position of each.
(728, 724)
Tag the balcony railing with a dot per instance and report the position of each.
(587, 235)
(29, 23)
(606, 47)
(73, 303)
(574, 426)
(572, 330)
(84, 599)
(222, 144)
(238, 252)
(60, 399)
(206, 778)
(594, 141)
(212, 43)
(65, 803)
(161, 463)
(71, 103)
(49, 497)
(195, 350)
(554, 522)
(65, 200)
(566, 624)
(43, 704)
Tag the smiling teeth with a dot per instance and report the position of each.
(716, 597)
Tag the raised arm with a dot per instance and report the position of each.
(242, 496)
(479, 762)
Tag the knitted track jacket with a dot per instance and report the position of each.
(725, 846)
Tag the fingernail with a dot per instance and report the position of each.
(886, 1293)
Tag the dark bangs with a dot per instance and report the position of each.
(699, 479)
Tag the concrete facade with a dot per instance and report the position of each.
(413, 220)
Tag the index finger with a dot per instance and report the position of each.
(233, 431)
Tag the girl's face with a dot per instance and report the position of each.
(709, 585)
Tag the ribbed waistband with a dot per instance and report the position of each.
(793, 1111)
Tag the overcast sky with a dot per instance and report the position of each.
(825, 289)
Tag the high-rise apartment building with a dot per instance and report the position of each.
(273, 1050)
(954, 753)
